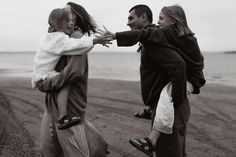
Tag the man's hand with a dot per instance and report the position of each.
(106, 33)
(103, 40)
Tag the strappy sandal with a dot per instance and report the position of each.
(144, 145)
(145, 113)
(68, 121)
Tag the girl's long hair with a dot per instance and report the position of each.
(83, 20)
(176, 13)
(55, 19)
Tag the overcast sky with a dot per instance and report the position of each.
(23, 22)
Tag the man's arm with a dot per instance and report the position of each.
(73, 70)
(150, 35)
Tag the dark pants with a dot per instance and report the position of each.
(173, 145)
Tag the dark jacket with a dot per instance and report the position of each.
(160, 63)
(191, 54)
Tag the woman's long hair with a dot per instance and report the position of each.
(83, 20)
(176, 13)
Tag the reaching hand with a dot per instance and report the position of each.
(105, 36)
(106, 33)
(103, 40)
(103, 32)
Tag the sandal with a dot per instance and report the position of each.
(145, 113)
(68, 121)
(145, 147)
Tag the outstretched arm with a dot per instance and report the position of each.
(74, 70)
(64, 45)
(130, 38)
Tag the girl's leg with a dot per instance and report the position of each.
(164, 117)
(163, 122)
(165, 108)
(62, 99)
(65, 119)
(154, 136)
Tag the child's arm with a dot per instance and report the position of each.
(64, 45)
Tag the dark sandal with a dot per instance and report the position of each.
(68, 121)
(145, 147)
(145, 113)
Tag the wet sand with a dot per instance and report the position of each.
(111, 105)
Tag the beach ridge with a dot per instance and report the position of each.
(111, 105)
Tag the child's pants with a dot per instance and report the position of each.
(164, 119)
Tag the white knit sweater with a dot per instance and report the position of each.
(52, 47)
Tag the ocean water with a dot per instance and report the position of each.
(219, 67)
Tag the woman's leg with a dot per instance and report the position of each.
(49, 145)
(98, 147)
(82, 140)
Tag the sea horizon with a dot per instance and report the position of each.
(121, 66)
(94, 51)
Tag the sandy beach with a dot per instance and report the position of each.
(111, 104)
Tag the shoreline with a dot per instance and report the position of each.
(15, 76)
(111, 105)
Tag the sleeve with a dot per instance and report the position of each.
(73, 70)
(64, 45)
(150, 35)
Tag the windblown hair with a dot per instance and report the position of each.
(140, 9)
(55, 19)
(177, 15)
(83, 20)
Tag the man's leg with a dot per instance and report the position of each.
(49, 145)
(173, 145)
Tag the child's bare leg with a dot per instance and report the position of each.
(163, 123)
(62, 99)
(65, 120)
(154, 136)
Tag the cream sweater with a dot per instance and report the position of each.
(52, 47)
